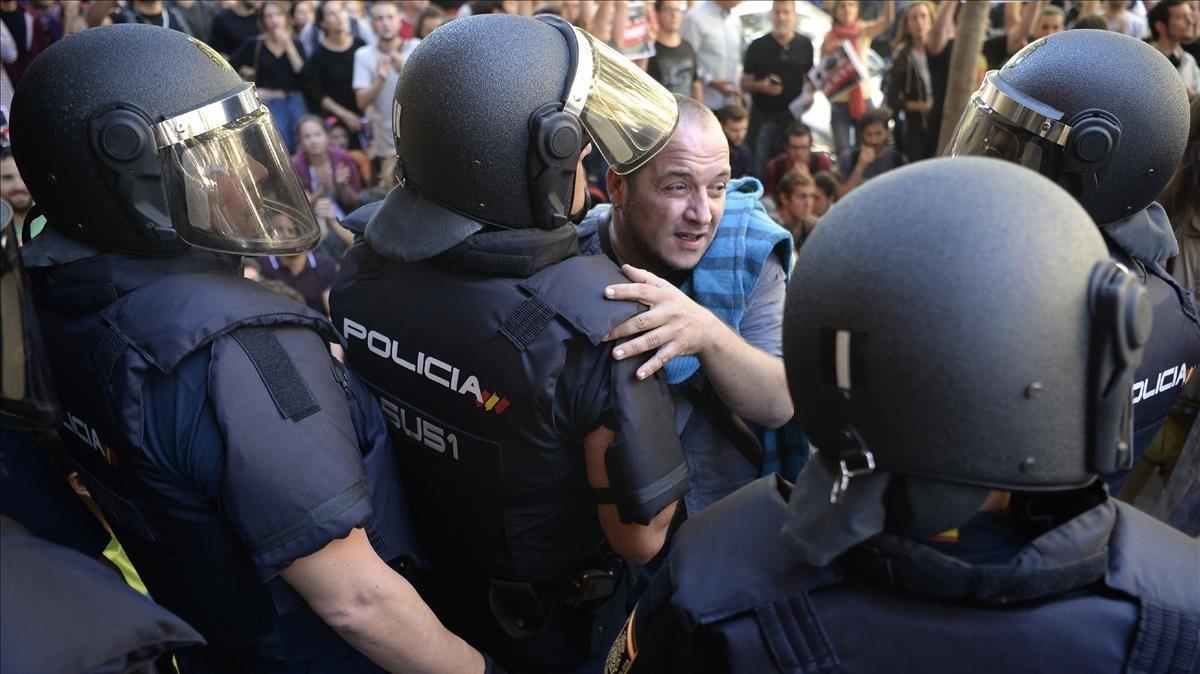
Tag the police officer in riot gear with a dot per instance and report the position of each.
(49, 581)
(239, 465)
(530, 457)
(964, 406)
(1106, 117)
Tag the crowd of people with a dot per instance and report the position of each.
(484, 336)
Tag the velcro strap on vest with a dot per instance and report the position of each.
(1167, 641)
(275, 367)
(108, 351)
(795, 637)
(527, 322)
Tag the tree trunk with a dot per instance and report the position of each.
(1179, 504)
(964, 64)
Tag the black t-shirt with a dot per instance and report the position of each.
(272, 72)
(331, 73)
(995, 50)
(791, 62)
(164, 19)
(674, 67)
(230, 29)
(15, 20)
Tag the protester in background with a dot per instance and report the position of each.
(796, 196)
(910, 85)
(329, 74)
(310, 274)
(716, 35)
(199, 15)
(797, 153)
(29, 35)
(376, 69)
(776, 66)
(1171, 23)
(1122, 20)
(339, 137)
(874, 156)
(301, 15)
(273, 60)
(847, 108)
(233, 26)
(674, 62)
(734, 122)
(151, 13)
(827, 191)
(324, 169)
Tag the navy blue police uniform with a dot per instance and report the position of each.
(490, 372)
(221, 441)
(1109, 590)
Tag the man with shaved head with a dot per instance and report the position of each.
(711, 270)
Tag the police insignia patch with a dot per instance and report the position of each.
(624, 649)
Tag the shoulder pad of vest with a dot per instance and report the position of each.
(574, 289)
(357, 220)
(1153, 562)
(169, 318)
(731, 558)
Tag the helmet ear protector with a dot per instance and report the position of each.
(1121, 320)
(556, 138)
(1091, 147)
(123, 143)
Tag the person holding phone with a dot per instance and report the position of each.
(775, 68)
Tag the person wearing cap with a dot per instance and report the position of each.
(537, 467)
(246, 473)
(952, 518)
(1105, 116)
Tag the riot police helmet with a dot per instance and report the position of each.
(490, 116)
(976, 339)
(1102, 114)
(143, 140)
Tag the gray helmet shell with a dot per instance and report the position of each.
(155, 71)
(965, 317)
(1081, 70)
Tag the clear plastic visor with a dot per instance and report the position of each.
(628, 115)
(982, 133)
(232, 187)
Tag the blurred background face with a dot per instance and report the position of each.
(333, 19)
(874, 136)
(1181, 27)
(799, 150)
(428, 24)
(385, 21)
(735, 131)
(783, 16)
(339, 137)
(845, 12)
(918, 21)
(1048, 24)
(302, 13)
(12, 187)
(821, 202)
(273, 18)
(670, 16)
(799, 204)
(313, 139)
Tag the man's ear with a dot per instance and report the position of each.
(618, 187)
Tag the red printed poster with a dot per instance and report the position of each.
(635, 42)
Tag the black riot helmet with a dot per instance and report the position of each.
(27, 398)
(491, 114)
(977, 338)
(143, 140)
(1100, 113)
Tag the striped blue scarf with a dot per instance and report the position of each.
(727, 274)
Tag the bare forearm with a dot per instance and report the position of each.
(750, 381)
(366, 94)
(400, 633)
(637, 543)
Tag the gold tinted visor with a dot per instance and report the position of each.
(628, 115)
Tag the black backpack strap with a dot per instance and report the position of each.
(1167, 641)
(731, 426)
